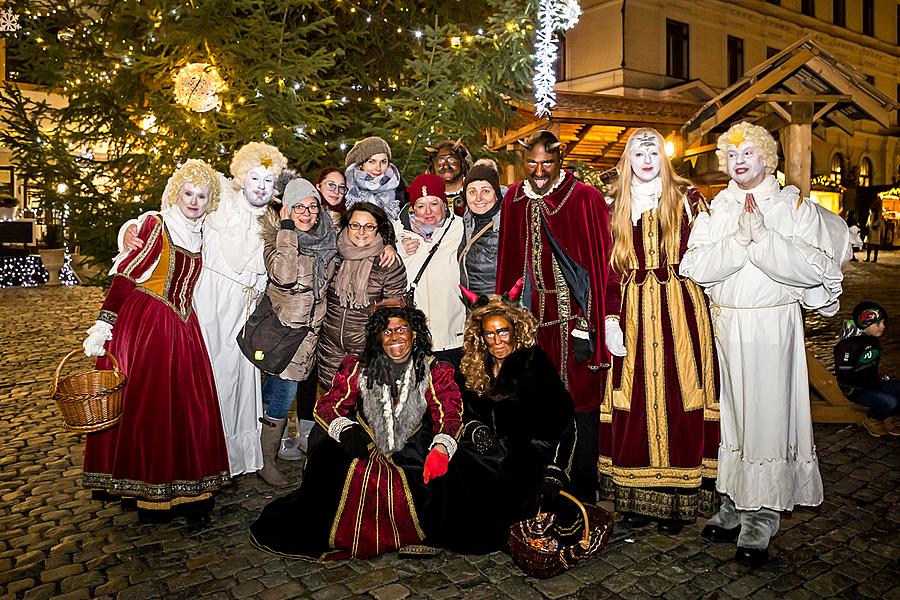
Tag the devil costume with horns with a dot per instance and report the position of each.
(519, 434)
(560, 242)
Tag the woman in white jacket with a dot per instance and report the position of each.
(428, 229)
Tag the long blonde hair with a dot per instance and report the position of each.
(670, 208)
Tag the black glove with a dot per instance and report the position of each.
(355, 442)
(484, 440)
(551, 486)
(583, 348)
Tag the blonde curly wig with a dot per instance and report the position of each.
(476, 359)
(197, 172)
(756, 135)
(253, 155)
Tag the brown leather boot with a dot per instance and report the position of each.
(270, 439)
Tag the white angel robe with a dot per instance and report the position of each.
(767, 457)
(234, 275)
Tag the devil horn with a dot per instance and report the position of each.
(430, 150)
(471, 296)
(516, 291)
(553, 146)
(457, 143)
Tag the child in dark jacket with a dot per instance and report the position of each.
(856, 358)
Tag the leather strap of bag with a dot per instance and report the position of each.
(431, 252)
(474, 239)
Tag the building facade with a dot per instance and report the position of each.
(689, 50)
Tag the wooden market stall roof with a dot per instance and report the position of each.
(802, 73)
(594, 127)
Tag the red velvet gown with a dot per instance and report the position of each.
(168, 448)
(358, 508)
(577, 217)
(659, 431)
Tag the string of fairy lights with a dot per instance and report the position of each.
(198, 86)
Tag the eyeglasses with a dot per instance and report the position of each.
(503, 333)
(331, 186)
(300, 209)
(368, 227)
(447, 159)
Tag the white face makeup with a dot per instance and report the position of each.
(746, 165)
(193, 200)
(646, 156)
(259, 183)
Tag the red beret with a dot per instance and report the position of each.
(426, 185)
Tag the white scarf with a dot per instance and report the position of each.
(644, 197)
(236, 221)
(762, 193)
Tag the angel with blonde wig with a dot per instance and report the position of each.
(253, 155)
(747, 132)
(197, 172)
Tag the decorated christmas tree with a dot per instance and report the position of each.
(147, 84)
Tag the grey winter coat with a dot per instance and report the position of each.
(478, 264)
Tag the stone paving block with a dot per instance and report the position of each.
(41, 592)
(61, 572)
(559, 586)
(394, 591)
(360, 583)
(141, 591)
(80, 582)
(285, 591)
(112, 586)
(81, 594)
(744, 586)
(332, 592)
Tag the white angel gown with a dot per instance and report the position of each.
(767, 457)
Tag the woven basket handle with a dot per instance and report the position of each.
(586, 536)
(55, 381)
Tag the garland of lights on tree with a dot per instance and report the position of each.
(553, 16)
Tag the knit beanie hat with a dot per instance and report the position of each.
(484, 173)
(298, 189)
(426, 185)
(867, 312)
(363, 150)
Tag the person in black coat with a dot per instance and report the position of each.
(519, 432)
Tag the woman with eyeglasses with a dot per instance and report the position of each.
(333, 189)
(301, 258)
(361, 281)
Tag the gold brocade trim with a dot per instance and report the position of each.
(145, 251)
(155, 491)
(709, 468)
(661, 504)
(167, 258)
(342, 503)
(621, 397)
(649, 477)
(650, 239)
(705, 331)
(343, 399)
(169, 504)
(654, 378)
(606, 405)
(692, 390)
(563, 315)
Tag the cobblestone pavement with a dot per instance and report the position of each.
(55, 542)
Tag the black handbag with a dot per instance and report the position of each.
(266, 341)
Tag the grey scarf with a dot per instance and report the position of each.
(320, 243)
(381, 191)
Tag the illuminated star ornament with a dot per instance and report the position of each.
(9, 21)
(553, 16)
(197, 86)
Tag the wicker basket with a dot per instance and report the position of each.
(89, 401)
(543, 563)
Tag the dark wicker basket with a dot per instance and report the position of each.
(542, 563)
(89, 401)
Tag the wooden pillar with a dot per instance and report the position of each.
(796, 143)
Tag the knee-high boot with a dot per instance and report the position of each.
(270, 439)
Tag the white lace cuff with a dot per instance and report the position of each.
(338, 426)
(446, 440)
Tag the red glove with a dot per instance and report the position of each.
(436, 465)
